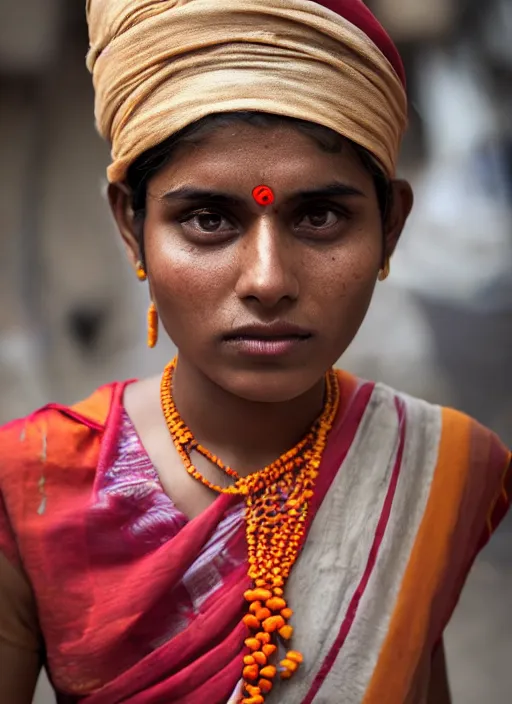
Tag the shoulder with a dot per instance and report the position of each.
(55, 427)
(469, 467)
(53, 446)
(458, 456)
(460, 438)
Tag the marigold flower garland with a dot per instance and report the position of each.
(277, 500)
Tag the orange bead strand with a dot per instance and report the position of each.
(152, 325)
(277, 499)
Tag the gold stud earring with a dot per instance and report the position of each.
(384, 272)
(141, 272)
(152, 325)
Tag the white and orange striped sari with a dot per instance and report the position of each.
(416, 492)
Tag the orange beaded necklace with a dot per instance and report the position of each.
(276, 500)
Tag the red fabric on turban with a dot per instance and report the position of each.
(356, 12)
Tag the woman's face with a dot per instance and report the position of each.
(262, 299)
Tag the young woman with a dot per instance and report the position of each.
(252, 526)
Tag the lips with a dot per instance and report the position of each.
(268, 332)
(272, 340)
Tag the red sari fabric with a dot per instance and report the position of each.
(101, 595)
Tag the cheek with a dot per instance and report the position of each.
(350, 273)
(187, 284)
(345, 290)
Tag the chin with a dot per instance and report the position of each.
(270, 385)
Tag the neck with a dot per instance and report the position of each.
(246, 435)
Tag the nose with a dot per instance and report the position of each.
(266, 266)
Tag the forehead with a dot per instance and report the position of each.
(245, 154)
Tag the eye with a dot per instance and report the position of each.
(321, 218)
(207, 222)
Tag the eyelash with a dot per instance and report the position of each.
(211, 210)
(214, 210)
(339, 210)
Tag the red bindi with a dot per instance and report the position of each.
(263, 195)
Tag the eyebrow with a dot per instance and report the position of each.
(190, 193)
(197, 194)
(333, 189)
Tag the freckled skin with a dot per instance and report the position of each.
(269, 263)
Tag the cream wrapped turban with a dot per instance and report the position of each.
(159, 65)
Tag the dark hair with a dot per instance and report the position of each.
(151, 161)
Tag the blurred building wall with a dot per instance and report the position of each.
(73, 316)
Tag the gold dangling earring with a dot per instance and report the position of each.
(152, 325)
(384, 272)
(141, 272)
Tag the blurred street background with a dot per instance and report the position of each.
(72, 315)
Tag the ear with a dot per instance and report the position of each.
(401, 202)
(120, 205)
